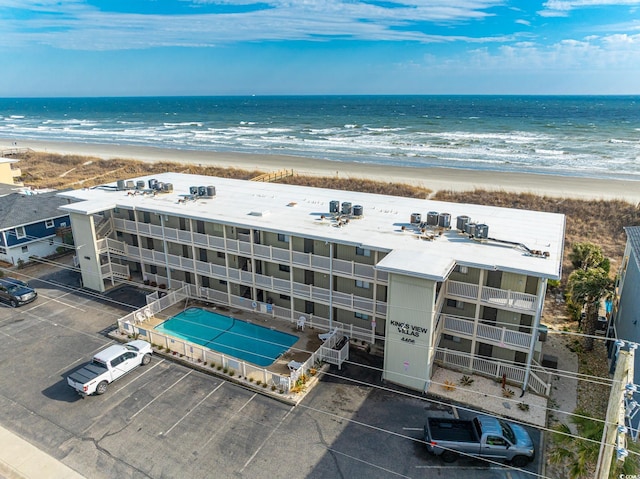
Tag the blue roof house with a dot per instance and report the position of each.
(626, 312)
(28, 225)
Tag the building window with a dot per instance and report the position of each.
(49, 223)
(448, 337)
(25, 249)
(363, 252)
(222, 281)
(462, 269)
(285, 268)
(362, 284)
(285, 297)
(361, 316)
(452, 303)
(309, 307)
(282, 237)
(20, 233)
(220, 254)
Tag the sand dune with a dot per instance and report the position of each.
(433, 178)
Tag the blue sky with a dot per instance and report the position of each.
(242, 47)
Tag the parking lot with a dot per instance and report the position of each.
(166, 420)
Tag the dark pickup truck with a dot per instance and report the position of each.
(482, 436)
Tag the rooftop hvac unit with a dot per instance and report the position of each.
(470, 229)
(167, 187)
(202, 191)
(461, 222)
(193, 190)
(346, 208)
(432, 218)
(444, 220)
(130, 185)
(416, 218)
(211, 191)
(140, 185)
(153, 184)
(482, 231)
(358, 211)
(121, 185)
(334, 206)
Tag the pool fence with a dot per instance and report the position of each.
(135, 324)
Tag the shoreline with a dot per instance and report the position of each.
(436, 179)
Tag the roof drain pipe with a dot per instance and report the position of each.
(330, 287)
(542, 287)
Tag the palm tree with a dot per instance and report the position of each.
(588, 255)
(587, 287)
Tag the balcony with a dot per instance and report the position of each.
(114, 271)
(245, 247)
(493, 297)
(269, 283)
(470, 329)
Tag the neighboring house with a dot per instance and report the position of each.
(9, 171)
(429, 282)
(29, 225)
(625, 316)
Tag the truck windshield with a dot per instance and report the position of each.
(508, 432)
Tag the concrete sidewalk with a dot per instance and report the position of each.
(22, 460)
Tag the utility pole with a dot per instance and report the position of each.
(614, 433)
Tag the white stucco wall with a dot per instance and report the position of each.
(409, 331)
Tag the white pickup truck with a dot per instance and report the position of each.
(108, 365)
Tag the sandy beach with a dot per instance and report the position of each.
(436, 179)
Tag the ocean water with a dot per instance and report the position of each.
(592, 136)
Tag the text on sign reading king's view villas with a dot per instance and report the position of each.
(409, 329)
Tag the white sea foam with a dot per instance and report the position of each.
(542, 151)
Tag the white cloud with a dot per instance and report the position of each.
(79, 26)
(555, 8)
(524, 22)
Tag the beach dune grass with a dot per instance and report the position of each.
(597, 221)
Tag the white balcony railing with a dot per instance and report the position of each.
(492, 368)
(502, 337)
(495, 297)
(244, 246)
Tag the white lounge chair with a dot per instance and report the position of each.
(148, 314)
(300, 322)
(139, 317)
(294, 365)
(324, 336)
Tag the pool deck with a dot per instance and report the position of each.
(308, 340)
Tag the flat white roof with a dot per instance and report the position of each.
(298, 210)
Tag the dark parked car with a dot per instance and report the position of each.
(16, 292)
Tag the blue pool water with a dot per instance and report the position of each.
(234, 337)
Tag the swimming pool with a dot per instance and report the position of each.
(250, 342)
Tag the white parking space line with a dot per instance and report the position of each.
(387, 471)
(193, 409)
(227, 421)
(50, 299)
(91, 354)
(158, 396)
(413, 429)
(147, 370)
(8, 335)
(463, 468)
(273, 431)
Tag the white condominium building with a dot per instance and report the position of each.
(429, 281)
